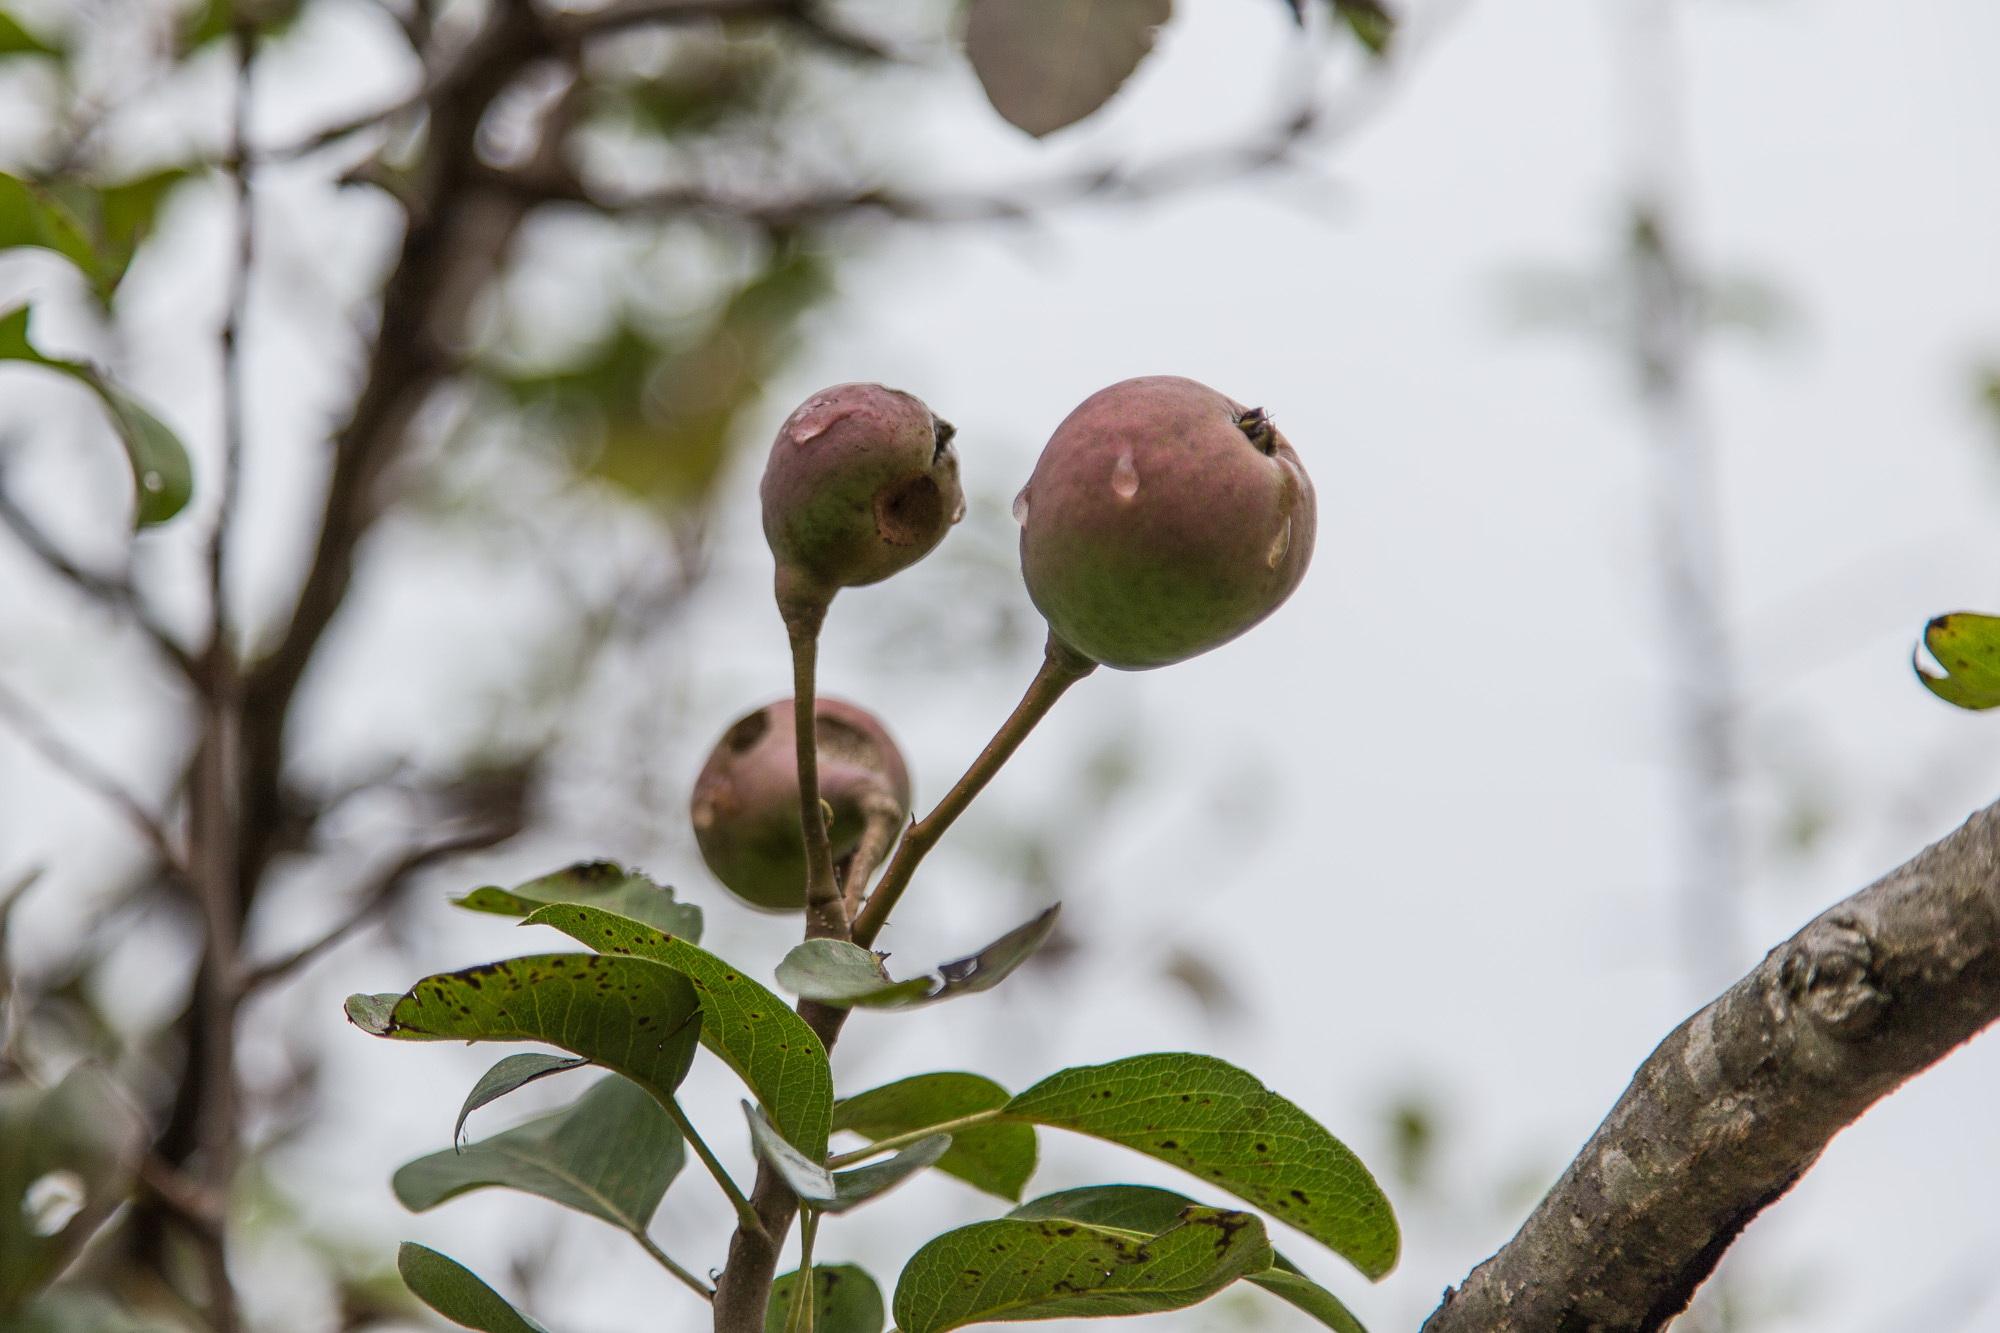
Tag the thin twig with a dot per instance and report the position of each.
(745, 1216)
(114, 592)
(1061, 668)
(382, 889)
(33, 729)
(666, 1261)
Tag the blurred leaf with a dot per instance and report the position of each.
(516, 1071)
(69, 1155)
(1371, 23)
(837, 973)
(998, 1157)
(846, 1299)
(1967, 646)
(754, 1032)
(1203, 981)
(210, 20)
(451, 1289)
(30, 215)
(1989, 392)
(1212, 1119)
(660, 415)
(1049, 63)
(65, 1311)
(1005, 1271)
(705, 83)
(161, 474)
(807, 1178)
(1144, 1209)
(16, 40)
(602, 884)
(626, 1014)
(853, 1188)
(610, 1154)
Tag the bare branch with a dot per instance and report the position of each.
(33, 728)
(1020, 201)
(1740, 1100)
(369, 904)
(113, 591)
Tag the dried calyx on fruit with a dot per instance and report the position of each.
(1162, 519)
(862, 482)
(745, 808)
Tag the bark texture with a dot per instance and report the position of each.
(1738, 1102)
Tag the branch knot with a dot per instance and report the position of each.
(1830, 974)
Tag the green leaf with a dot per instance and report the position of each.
(600, 884)
(754, 1032)
(1217, 1122)
(67, 1163)
(452, 1289)
(853, 1188)
(161, 473)
(611, 1154)
(1006, 1271)
(847, 1299)
(125, 213)
(1967, 646)
(516, 1071)
(212, 19)
(623, 1013)
(16, 40)
(1145, 1209)
(835, 972)
(1371, 23)
(1049, 63)
(31, 216)
(808, 1179)
(81, 1311)
(998, 1157)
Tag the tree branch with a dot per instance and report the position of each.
(29, 725)
(1740, 1100)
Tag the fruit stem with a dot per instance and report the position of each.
(1062, 667)
(883, 821)
(826, 915)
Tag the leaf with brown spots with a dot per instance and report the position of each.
(601, 884)
(845, 1300)
(1218, 1123)
(1147, 1209)
(754, 1032)
(1966, 646)
(1012, 1270)
(627, 1014)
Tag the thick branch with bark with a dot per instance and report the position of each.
(1741, 1099)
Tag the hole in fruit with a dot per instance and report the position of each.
(747, 732)
(1021, 506)
(1257, 424)
(1124, 476)
(910, 512)
(1280, 545)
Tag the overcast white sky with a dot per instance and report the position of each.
(1419, 818)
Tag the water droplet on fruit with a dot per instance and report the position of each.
(1124, 476)
(153, 482)
(704, 815)
(52, 1201)
(1021, 506)
(1282, 544)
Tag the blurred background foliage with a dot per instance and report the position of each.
(669, 222)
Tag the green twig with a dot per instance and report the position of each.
(803, 1317)
(895, 1141)
(664, 1260)
(746, 1216)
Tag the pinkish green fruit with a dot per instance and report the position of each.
(862, 482)
(1163, 519)
(745, 808)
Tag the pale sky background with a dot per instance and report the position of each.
(1419, 818)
